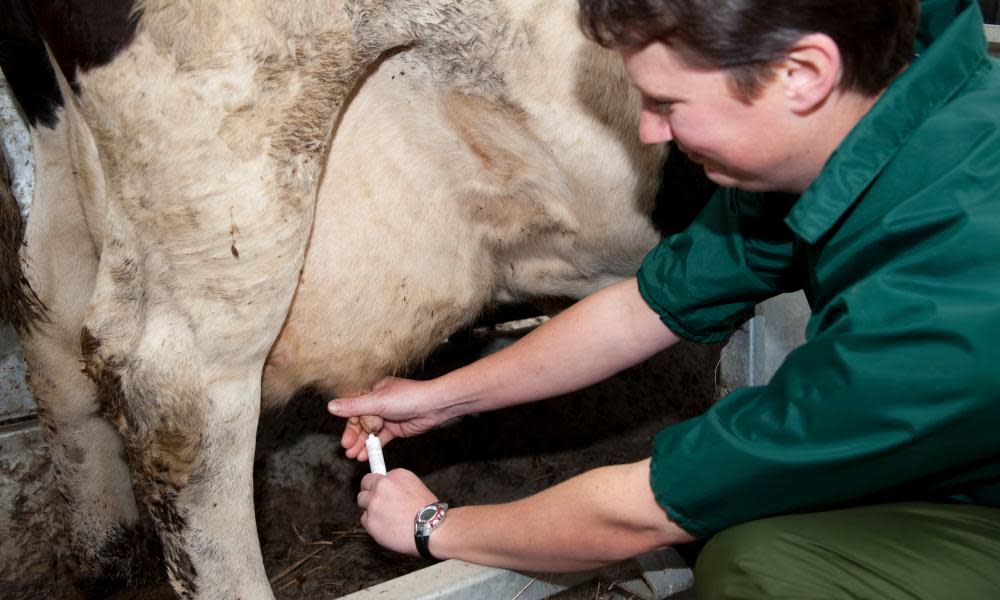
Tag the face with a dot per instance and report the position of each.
(738, 144)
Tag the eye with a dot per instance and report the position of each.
(657, 106)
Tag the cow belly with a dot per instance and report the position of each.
(390, 269)
(436, 203)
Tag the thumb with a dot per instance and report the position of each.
(382, 383)
(358, 406)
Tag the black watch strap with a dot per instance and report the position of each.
(423, 546)
(427, 519)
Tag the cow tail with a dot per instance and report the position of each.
(19, 305)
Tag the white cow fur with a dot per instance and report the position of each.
(436, 203)
(494, 159)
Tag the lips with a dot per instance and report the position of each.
(692, 156)
(701, 160)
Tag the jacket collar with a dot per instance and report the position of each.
(950, 46)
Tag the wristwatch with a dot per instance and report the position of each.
(427, 520)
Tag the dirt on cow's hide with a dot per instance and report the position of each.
(312, 541)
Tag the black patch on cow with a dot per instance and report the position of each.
(19, 305)
(129, 558)
(85, 33)
(172, 524)
(110, 397)
(684, 191)
(26, 65)
(82, 34)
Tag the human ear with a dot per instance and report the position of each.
(810, 72)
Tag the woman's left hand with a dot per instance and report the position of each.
(391, 503)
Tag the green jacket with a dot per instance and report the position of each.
(896, 393)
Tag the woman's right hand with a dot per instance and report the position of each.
(405, 406)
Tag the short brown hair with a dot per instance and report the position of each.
(747, 37)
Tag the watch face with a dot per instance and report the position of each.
(427, 513)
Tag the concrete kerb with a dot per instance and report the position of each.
(653, 576)
(993, 39)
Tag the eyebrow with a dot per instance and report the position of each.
(659, 98)
(666, 99)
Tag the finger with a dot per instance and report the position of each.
(385, 436)
(364, 520)
(358, 451)
(370, 482)
(400, 473)
(362, 449)
(355, 407)
(364, 497)
(351, 448)
(350, 435)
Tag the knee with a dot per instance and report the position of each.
(740, 562)
(157, 415)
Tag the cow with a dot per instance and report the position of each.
(238, 199)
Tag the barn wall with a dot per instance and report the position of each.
(15, 402)
(29, 544)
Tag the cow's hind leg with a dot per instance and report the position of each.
(191, 443)
(107, 541)
(215, 152)
(110, 547)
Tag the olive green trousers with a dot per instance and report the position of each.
(912, 550)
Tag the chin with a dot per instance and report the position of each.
(725, 180)
(741, 181)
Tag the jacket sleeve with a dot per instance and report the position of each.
(706, 279)
(896, 395)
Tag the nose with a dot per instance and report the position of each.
(654, 128)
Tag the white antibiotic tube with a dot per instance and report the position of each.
(375, 460)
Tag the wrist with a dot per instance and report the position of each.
(428, 520)
(442, 544)
(450, 396)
